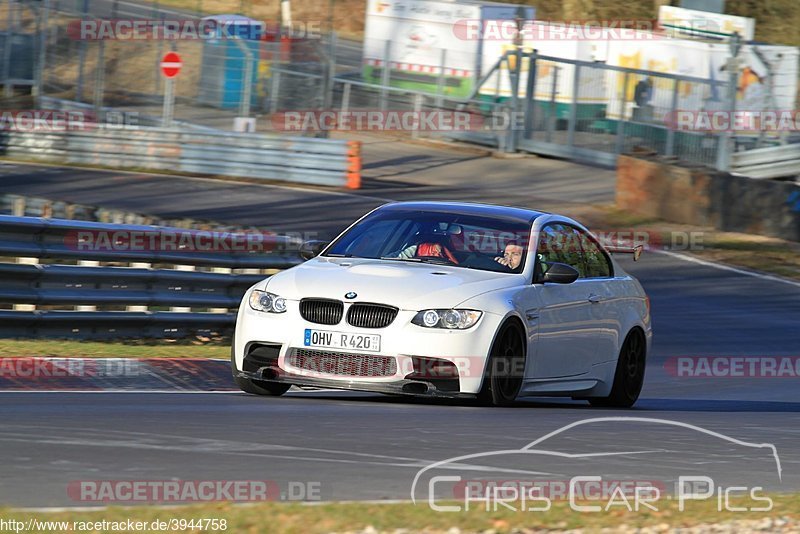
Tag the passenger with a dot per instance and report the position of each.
(427, 249)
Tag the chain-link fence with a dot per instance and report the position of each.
(107, 53)
(575, 109)
(583, 110)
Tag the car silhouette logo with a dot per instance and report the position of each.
(350, 295)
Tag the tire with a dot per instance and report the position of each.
(256, 387)
(504, 369)
(629, 376)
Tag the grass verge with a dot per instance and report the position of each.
(290, 518)
(157, 348)
(753, 252)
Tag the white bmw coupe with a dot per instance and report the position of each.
(450, 300)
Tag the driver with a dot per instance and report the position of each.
(512, 255)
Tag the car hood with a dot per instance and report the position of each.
(406, 285)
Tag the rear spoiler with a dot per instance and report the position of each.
(636, 251)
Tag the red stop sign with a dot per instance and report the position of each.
(171, 64)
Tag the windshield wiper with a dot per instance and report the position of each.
(393, 258)
(435, 261)
(432, 261)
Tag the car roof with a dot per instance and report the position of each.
(521, 215)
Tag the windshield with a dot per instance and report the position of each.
(476, 242)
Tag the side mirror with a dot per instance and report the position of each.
(311, 249)
(560, 273)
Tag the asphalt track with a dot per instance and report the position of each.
(392, 171)
(361, 446)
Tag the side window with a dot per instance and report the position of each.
(597, 263)
(559, 243)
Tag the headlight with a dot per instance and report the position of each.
(449, 319)
(267, 302)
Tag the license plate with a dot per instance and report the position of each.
(341, 340)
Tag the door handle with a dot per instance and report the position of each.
(594, 299)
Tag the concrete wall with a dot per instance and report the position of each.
(705, 197)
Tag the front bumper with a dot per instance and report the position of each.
(411, 387)
(402, 341)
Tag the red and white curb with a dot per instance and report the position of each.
(117, 374)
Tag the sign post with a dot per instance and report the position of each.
(170, 67)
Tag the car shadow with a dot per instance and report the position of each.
(645, 404)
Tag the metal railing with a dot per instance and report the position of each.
(294, 159)
(588, 111)
(68, 280)
(769, 162)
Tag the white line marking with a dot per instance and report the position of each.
(157, 391)
(160, 391)
(61, 509)
(724, 267)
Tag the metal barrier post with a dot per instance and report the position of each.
(440, 80)
(346, 97)
(138, 265)
(100, 77)
(669, 150)
(385, 77)
(26, 261)
(417, 112)
(511, 133)
(274, 92)
(330, 73)
(573, 110)
(551, 111)
(621, 122)
(725, 139)
(530, 103)
(7, 44)
(221, 270)
(81, 57)
(18, 208)
(169, 98)
(160, 51)
(183, 309)
(499, 76)
(90, 307)
(42, 22)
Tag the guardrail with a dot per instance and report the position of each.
(244, 155)
(150, 281)
(769, 162)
